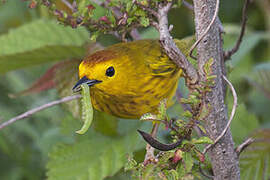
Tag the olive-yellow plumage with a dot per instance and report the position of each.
(130, 79)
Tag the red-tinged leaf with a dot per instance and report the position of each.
(49, 80)
(45, 82)
(63, 77)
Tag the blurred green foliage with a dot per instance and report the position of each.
(45, 145)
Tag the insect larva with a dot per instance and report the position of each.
(87, 109)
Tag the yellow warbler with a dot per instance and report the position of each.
(130, 79)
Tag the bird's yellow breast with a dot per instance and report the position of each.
(150, 92)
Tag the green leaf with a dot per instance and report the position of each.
(249, 42)
(187, 164)
(171, 174)
(255, 159)
(92, 157)
(150, 33)
(202, 140)
(144, 21)
(162, 109)
(208, 66)
(39, 42)
(243, 123)
(260, 78)
(187, 114)
(188, 161)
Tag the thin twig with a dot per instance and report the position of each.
(205, 32)
(231, 116)
(37, 109)
(228, 54)
(243, 146)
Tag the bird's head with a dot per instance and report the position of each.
(103, 70)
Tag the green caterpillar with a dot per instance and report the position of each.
(87, 109)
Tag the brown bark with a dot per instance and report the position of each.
(223, 156)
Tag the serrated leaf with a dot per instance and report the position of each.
(171, 174)
(202, 140)
(243, 123)
(62, 76)
(260, 78)
(91, 158)
(131, 164)
(255, 159)
(140, 12)
(43, 83)
(187, 114)
(38, 42)
(207, 66)
(188, 161)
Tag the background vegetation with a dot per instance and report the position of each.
(45, 145)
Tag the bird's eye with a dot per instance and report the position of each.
(110, 71)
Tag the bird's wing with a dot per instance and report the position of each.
(157, 60)
(160, 63)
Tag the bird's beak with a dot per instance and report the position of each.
(84, 80)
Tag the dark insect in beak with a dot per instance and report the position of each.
(84, 80)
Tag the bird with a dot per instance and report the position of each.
(130, 79)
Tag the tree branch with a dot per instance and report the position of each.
(37, 109)
(231, 117)
(228, 54)
(223, 157)
(170, 47)
(243, 146)
(191, 8)
(205, 32)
